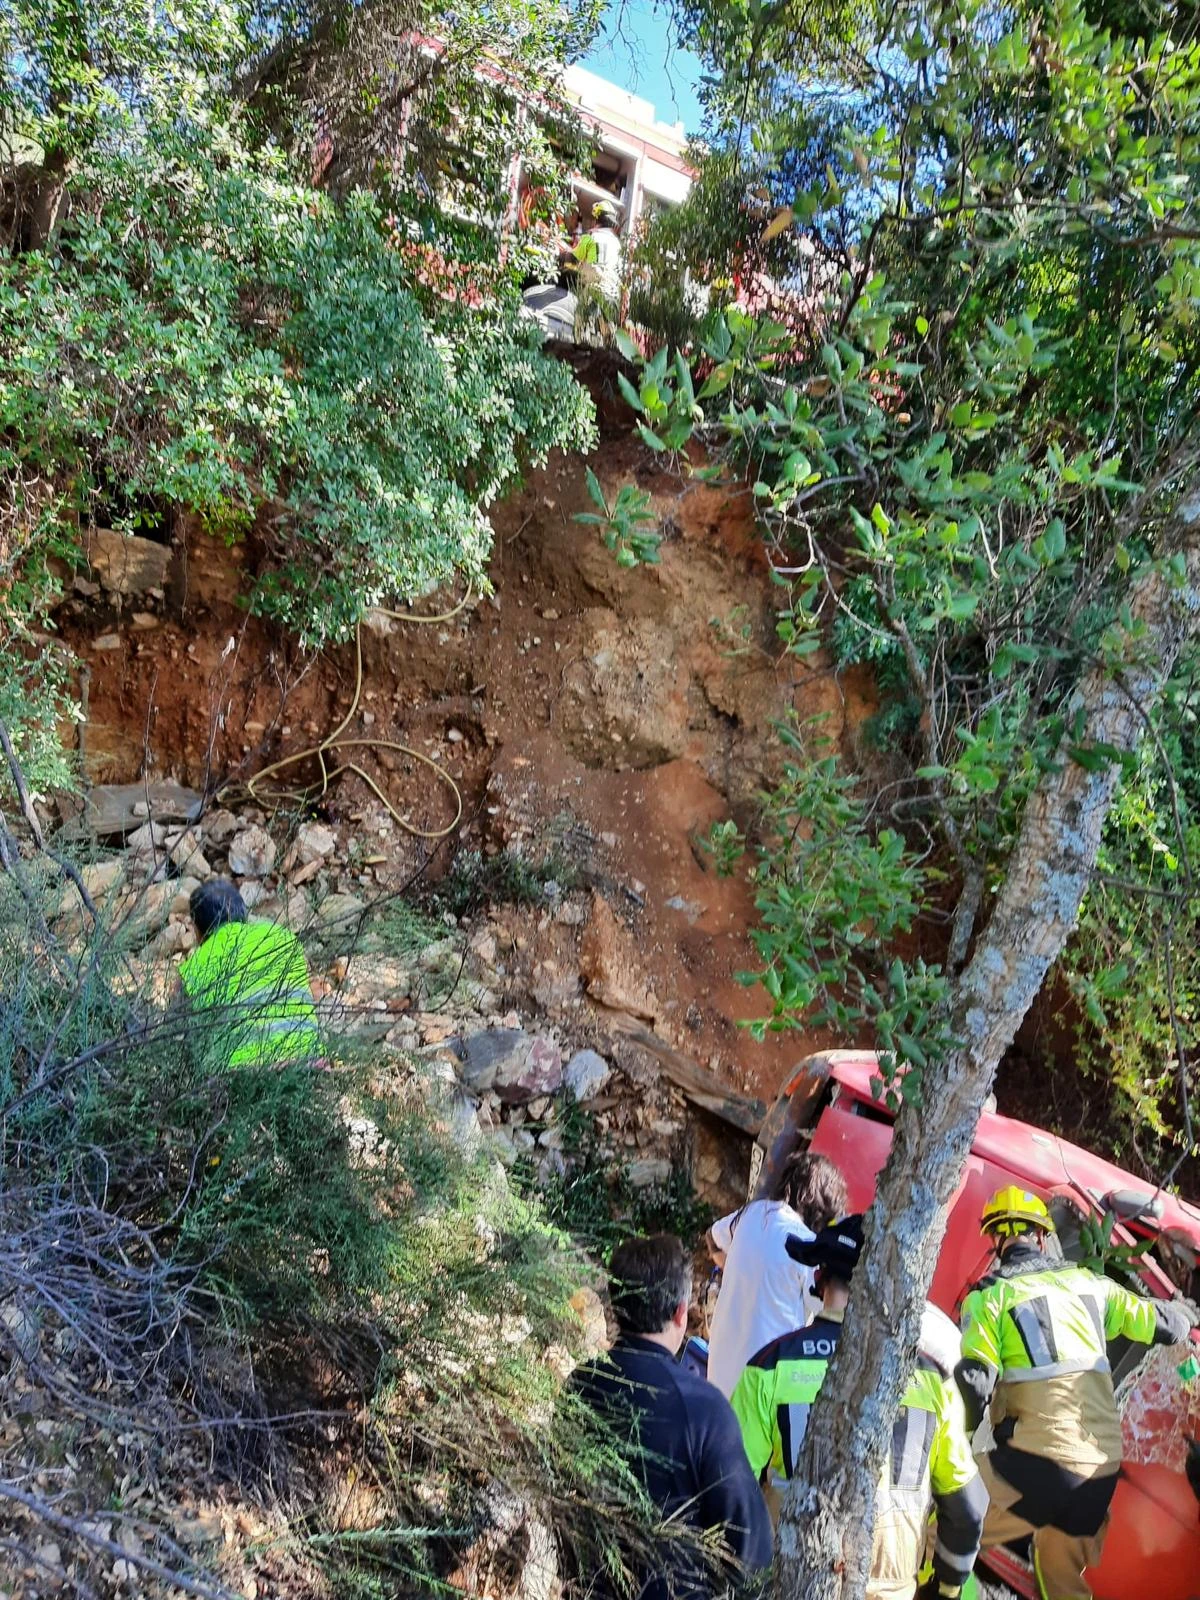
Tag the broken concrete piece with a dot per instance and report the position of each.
(112, 808)
(124, 563)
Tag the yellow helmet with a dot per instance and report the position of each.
(1011, 1211)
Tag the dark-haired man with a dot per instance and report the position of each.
(247, 984)
(684, 1441)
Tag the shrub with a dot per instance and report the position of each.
(208, 1249)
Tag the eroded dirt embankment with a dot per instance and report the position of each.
(607, 716)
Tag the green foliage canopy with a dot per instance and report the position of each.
(966, 459)
(187, 326)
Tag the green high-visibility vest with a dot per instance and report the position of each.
(250, 996)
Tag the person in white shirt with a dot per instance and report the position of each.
(596, 258)
(764, 1294)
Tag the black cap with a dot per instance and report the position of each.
(836, 1248)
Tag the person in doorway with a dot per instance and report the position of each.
(1034, 1347)
(598, 253)
(247, 984)
(763, 1292)
(683, 1439)
(930, 1455)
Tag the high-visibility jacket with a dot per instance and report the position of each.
(1035, 1337)
(930, 1455)
(249, 991)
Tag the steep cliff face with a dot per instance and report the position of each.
(584, 711)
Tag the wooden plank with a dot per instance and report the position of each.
(119, 808)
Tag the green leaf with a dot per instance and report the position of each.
(594, 489)
(631, 395)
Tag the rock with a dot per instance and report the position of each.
(375, 977)
(99, 877)
(252, 853)
(649, 1173)
(539, 1074)
(22, 1327)
(437, 954)
(147, 840)
(175, 939)
(253, 894)
(125, 564)
(483, 945)
(185, 888)
(586, 1074)
(484, 1053)
(709, 1171)
(454, 735)
(612, 966)
(379, 622)
(589, 1308)
(338, 912)
(220, 827)
(144, 620)
(186, 854)
(314, 842)
(305, 874)
(145, 909)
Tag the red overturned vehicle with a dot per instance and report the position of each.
(1153, 1547)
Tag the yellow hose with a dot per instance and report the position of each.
(334, 744)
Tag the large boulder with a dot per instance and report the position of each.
(125, 564)
(516, 1065)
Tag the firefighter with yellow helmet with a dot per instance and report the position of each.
(1034, 1349)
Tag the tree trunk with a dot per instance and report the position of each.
(825, 1531)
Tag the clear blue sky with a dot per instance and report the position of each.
(634, 49)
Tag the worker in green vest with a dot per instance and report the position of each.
(247, 984)
(930, 1461)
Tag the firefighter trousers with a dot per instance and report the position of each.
(1059, 1558)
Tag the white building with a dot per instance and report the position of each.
(640, 161)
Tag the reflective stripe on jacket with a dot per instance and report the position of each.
(248, 986)
(930, 1455)
(1042, 1329)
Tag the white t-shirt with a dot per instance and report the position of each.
(764, 1293)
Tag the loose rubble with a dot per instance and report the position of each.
(513, 1035)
